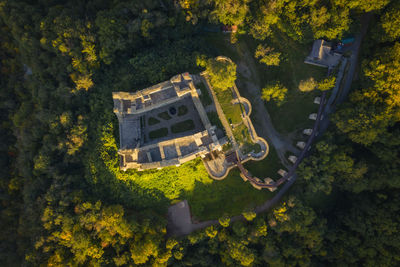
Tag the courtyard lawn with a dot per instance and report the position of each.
(164, 115)
(162, 132)
(153, 121)
(182, 126)
(242, 136)
(182, 110)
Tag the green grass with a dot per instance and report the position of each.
(293, 114)
(214, 119)
(156, 189)
(232, 112)
(230, 196)
(267, 167)
(182, 110)
(162, 132)
(153, 121)
(242, 136)
(164, 115)
(182, 126)
(205, 97)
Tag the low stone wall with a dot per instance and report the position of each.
(246, 120)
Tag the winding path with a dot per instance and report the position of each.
(251, 84)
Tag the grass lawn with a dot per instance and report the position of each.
(164, 115)
(205, 97)
(162, 132)
(214, 119)
(153, 121)
(182, 110)
(230, 196)
(242, 136)
(293, 114)
(182, 126)
(156, 189)
(267, 167)
(232, 112)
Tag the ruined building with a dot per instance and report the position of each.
(163, 125)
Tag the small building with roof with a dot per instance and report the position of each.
(323, 55)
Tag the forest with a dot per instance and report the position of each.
(64, 201)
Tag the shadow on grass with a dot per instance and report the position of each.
(230, 196)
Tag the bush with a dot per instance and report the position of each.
(224, 221)
(267, 56)
(307, 85)
(249, 215)
(276, 92)
(327, 83)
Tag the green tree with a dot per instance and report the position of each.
(267, 56)
(230, 12)
(390, 22)
(276, 92)
(222, 73)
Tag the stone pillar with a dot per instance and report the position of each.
(307, 131)
(292, 159)
(313, 116)
(282, 172)
(149, 156)
(301, 145)
(178, 150)
(161, 148)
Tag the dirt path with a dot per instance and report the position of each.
(250, 83)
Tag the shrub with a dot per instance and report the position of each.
(224, 221)
(307, 85)
(327, 83)
(276, 92)
(249, 215)
(267, 56)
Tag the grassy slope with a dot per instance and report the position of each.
(209, 199)
(293, 114)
